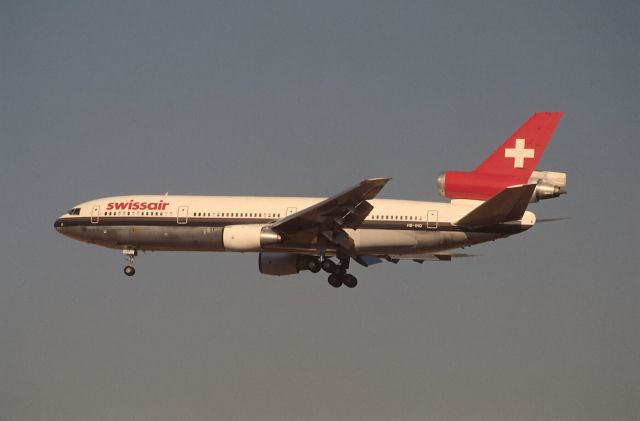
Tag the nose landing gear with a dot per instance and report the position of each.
(129, 254)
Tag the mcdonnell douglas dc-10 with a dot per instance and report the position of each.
(292, 234)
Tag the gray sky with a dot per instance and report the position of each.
(307, 98)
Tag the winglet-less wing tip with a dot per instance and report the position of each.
(373, 186)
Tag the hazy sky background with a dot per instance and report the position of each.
(306, 98)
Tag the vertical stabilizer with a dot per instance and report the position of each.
(518, 156)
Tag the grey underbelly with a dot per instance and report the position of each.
(151, 237)
(189, 238)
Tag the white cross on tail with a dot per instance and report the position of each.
(519, 153)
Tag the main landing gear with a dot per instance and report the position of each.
(338, 275)
(129, 254)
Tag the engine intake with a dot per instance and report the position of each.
(250, 237)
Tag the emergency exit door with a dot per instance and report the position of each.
(183, 215)
(432, 219)
(95, 214)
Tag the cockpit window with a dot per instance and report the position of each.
(74, 211)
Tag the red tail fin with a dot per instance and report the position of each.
(518, 156)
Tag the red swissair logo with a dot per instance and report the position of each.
(133, 205)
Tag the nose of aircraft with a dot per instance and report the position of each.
(58, 224)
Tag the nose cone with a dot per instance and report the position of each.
(59, 224)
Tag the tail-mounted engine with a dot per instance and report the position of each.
(481, 186)
(549, 184)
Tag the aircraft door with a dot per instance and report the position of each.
(183, 215)
(291, 211)
(432, 219)
(95, 214)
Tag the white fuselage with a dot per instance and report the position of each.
(394, 227)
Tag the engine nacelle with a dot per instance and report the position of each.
(480, 186)
(280, 264)
(250, 237)
(549, 184)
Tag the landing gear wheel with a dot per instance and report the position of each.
(350, 281)
(329, 266)
(129, 254)
(314, 265)
(335, 281)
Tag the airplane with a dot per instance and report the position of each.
(293, 234)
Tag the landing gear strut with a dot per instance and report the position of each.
(129, 254)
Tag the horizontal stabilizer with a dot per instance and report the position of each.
(508, 205)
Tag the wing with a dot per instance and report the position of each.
(324, 222)
(344, 210)
(428, 257)
(418, 258)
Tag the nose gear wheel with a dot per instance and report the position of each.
(129, 254)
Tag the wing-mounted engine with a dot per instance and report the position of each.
(250, 237)
(280, 264)
(481, 186)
